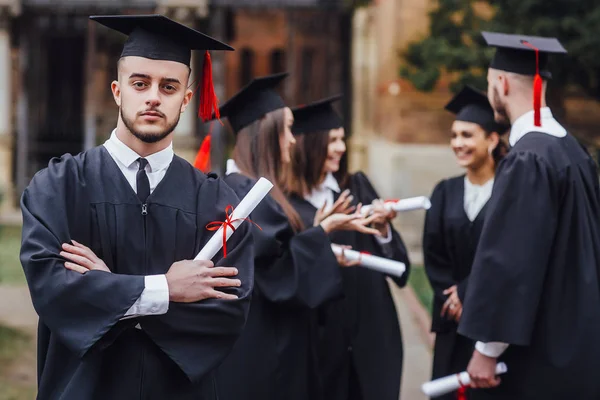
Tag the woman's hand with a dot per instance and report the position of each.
(452, 307)
(341, 206)
(383, 216)
(343, 261)
(349, 222)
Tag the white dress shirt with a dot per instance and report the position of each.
(323, 194)
(476, 196)
(231, 167)
(522, 126)
(154, 299)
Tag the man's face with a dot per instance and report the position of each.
(151, 95)
(496, 90)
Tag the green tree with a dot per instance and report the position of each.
(455, 46)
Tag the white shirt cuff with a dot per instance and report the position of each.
(491, 349)
(154, 299)
(387, 239)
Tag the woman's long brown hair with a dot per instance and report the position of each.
(257, 153)
(308, 162)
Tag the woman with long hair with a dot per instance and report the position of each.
(454, 221)
(295, 268)
(360, 352)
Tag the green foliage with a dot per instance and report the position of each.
(455, 45)
(11, 272)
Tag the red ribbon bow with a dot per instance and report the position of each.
(216, 225)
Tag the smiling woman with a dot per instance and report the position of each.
(454, 222)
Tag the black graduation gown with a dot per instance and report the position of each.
(85, 350)
(295, 273)
(534, 282)
(449, 243)
(360, 341)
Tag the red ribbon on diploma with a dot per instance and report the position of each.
(216, 225)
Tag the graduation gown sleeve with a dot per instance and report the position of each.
(506, 281)
(79, 309)
(396, 250)
(198, 336)
(438, 264)
(295, 268)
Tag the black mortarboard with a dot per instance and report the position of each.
(471, 105)
(517, 53)
(253, 101)
(319, 116)
(524, 55)
(158, 37)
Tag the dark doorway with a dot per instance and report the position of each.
(50, 112)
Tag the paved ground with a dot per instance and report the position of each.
(17, 311)
(417, 350)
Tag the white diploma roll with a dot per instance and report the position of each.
(451, 383)
(408, 204)
(243, 210)
(380, 264)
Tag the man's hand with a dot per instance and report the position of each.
(452, 307)
(82, 258)
(482, 370)
(190, 281)
(341, 206)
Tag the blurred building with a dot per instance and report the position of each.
(400, 135)
(56, 67)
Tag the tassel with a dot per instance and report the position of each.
(537, 88)
(461, 393)
(202, 161)
(208, 108)
(209, 102)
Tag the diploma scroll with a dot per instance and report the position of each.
(380, 264)
(408, 204)
(450, 383)
(240, 213)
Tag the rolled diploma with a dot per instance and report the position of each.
(450, 383)
(243, 210)
(409, 204)
(380, 264)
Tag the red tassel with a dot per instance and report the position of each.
(461, 393)
(202, 161)
(537, 88)
(537, 100)
(209, 102)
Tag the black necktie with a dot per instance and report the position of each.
(143, 184)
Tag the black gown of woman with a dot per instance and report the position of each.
(449, 243)
(360, 351)
(294, 274)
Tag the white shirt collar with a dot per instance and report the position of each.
(323, 194)
(330, 183)
(231, 167)
(126, 156)
(524, 124)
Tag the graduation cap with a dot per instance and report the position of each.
(319, 116)
(524, 55)
(471, 105)
(253, 101)
(159, 38)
